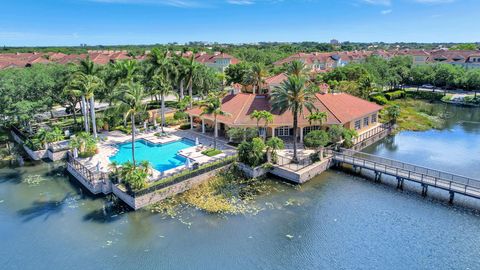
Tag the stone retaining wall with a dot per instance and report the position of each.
(158, 195)
(96, 187)
(304, 174)
(252, 172)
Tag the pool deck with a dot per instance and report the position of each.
(109, 140)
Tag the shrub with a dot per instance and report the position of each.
(126, 130)
(395, 95)
(348, 136)
(185, 126)
(335, 133)
(447, 98)
(379, 99)
(432, 96)
(316, 139)
(179, 115)
(273, 144)
(252, 152)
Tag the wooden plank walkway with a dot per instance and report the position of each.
(451, 182)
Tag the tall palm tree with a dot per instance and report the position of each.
(256, 77)
(293, 95)
(162, 87)
(85, 86)
(213, 106)
(131, 94)
(191, 70)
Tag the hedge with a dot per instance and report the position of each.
(395, 95)
(379, 99)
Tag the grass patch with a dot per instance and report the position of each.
(211, 152)
(416, 115)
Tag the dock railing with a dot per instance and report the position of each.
(91, 176)
(372, 133)
(372, 161)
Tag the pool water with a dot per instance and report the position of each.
(162, 157)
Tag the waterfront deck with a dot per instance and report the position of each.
(427, 177)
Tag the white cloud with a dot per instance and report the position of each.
(386, 11)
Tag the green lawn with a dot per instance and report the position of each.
(211, 152)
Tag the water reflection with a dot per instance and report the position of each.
(43, 209)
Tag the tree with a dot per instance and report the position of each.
(317, 118)
(266, 116)
(317, 139)
(256, 77)
(162, 87)
(293, 95)
(131, 95)
(191, 70)
(393, 112)
(273, 144)
(85, 86)
(237, 73)
(421, 74)
(213, 106)
(472, 80)
(296, 68)
(335, 132)
(252, 152)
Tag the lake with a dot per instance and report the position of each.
(336, 221)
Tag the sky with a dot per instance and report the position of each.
(119, 22)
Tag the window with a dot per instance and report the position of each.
(357, 124)
(374, 118)
(282, 131)
(365, 121)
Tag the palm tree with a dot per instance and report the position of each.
(213, 106)
(293, 95)
(131, 94)
(256, 77)
(162, 87)
(296, 68)
(85, 86)
(191, 70)
(266, 116)
(317, 117)
(274, 144)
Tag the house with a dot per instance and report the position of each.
(340, 108)
(218, 60)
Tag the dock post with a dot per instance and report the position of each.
(399, 183)
(452, 194)
(378, 176)
(424, 190)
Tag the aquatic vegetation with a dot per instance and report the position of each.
(415, 115)
(33, 180)
(226, 193)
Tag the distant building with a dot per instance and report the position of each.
(334, 42)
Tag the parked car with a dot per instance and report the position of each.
(428, 86)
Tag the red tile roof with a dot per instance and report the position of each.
(340, 109)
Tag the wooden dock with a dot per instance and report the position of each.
(427, 177)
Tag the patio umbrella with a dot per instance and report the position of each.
(188, 163)
(98, 166)
(145, 125)
(196, 141)
(75, 152)
(154, 122)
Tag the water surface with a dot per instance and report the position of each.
(336, 221)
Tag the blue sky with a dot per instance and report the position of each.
(72, 22)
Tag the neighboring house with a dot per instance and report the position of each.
(27, 59)
(219, 61)
(322, 62)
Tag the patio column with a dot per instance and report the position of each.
(216, 130)
(273, 132)
(191, 122)
(301, 134)
(203, 126)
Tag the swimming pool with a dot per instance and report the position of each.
(162, 157)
